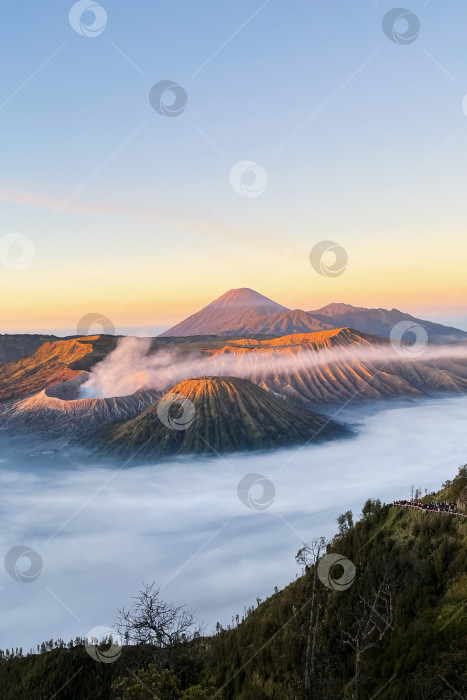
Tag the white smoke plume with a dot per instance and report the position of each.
(131, 367)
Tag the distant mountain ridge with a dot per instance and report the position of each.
(16, 345)
(244, 311)
(381, 321)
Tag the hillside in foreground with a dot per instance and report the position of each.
(398, 631)
(411, 566)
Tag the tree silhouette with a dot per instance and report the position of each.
(150, 620)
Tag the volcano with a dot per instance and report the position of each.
(236, 311)
(244, 312)
(217, 414)
(60, 411)
(308, 371)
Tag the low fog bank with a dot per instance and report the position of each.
(102, 532)
(131, 367)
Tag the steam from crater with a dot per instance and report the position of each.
(131, 367)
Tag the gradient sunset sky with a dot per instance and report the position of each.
(132, 214)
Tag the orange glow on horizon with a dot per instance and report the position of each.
(144, 296)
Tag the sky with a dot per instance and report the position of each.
(101, 533)
(295, 124)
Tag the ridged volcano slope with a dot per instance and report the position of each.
(51, 364)
(223, 414)
(333, 367)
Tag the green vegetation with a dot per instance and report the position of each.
(399, 630)
(419, 560)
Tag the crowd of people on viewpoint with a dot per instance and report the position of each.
(440, 507)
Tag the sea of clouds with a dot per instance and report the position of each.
(102, 532)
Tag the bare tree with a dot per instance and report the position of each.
(372, 621)
(152, 621)
(308, 557)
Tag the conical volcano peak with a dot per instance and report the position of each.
(236, 311)
(221, 414)
(244, 297)
(243, 312)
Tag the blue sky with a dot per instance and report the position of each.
(363, 141)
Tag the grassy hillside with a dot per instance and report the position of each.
(422, 560)
(408, 603)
